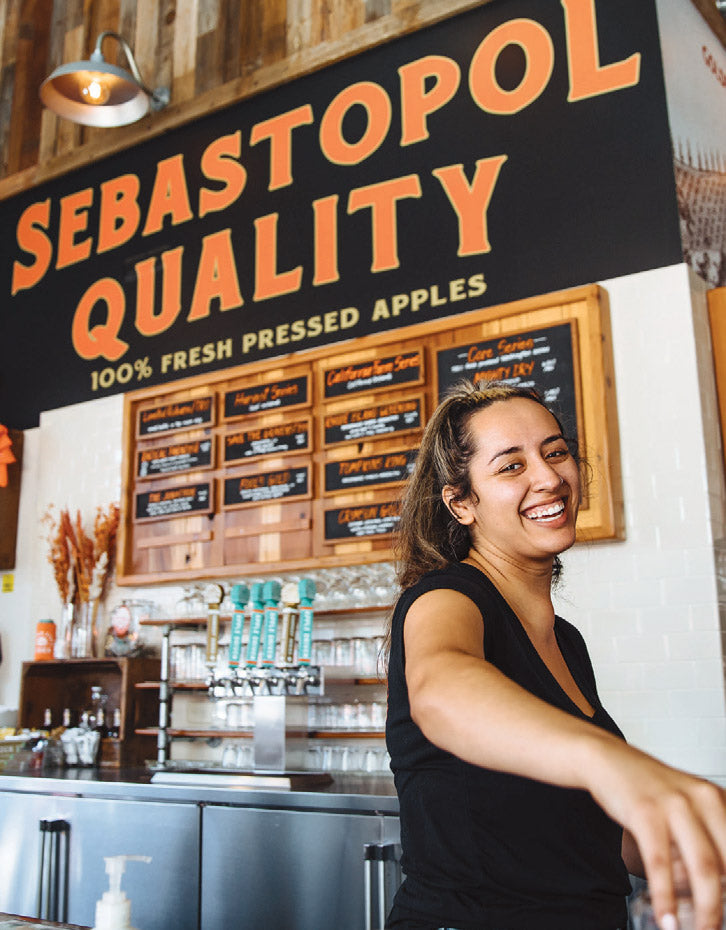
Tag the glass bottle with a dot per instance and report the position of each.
(96, 712)
(114, 731)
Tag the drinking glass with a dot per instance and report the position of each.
(641, 910)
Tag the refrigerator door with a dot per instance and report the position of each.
(290, 870)
(163, 893)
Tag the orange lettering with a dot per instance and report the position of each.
(382, 198)
(471, 202)
(268, 281)
(218, 164)
(325, 228)
(416, 102)
(102, 339)
(119, 213)
(378, 113)
(73, 219)
(535, 42)
(216, 276)
(31, 239)
(278, 130)
(587, 77)
(149, 323)
(169, 196)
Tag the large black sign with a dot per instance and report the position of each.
(515, 149)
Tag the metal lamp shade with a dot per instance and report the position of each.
(126, 100)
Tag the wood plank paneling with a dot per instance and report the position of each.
(209, 52)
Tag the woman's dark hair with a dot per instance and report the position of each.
(428, 535)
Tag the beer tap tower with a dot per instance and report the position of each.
(279, 682)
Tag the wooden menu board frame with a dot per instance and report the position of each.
(716, 299)
(371, 422)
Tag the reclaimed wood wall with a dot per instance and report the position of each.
(209, 52)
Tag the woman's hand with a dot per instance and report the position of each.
(678, 823)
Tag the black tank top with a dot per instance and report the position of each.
(486, 850)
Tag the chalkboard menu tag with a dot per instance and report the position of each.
(183, 414)
(267, 440)
(374, 374)
(361, 520)
(540, 358)
(174, 502)
(377, 420)
(266, 486)
(373, 470)
(259, 398)
(174, 458)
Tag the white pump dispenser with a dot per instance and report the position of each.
(113, 910)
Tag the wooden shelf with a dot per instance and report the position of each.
(58, 684)
(202, 685)
(249, 733)
(192, 622)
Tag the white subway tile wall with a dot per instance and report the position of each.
(648, 606)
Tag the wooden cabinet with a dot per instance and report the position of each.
(67, 683)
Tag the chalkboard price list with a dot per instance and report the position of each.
(261, 398)
(361, 520)
(174, 502)
(266, 486)
(376, 420)
(186, 414)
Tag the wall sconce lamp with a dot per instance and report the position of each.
(96, 93)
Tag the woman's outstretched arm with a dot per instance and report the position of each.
(668, 813)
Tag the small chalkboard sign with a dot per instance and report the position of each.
(361, 520)
(174, 458)
(399, 416)
(541, 358)
(259, 398)
(268, 440)
(373, 374)
(183, 414)
(369, 471)
(267, 486)
(174, 502)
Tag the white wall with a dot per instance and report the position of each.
(648, 606)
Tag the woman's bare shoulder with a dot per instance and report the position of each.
(443, 618)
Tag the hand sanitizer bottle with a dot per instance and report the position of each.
(113, 910)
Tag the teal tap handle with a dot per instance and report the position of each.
(306, 589)
(239, 595)
(271, 597)
(256, 617)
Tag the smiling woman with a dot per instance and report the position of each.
(521, 804)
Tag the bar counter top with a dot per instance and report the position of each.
(9, 922)
(346, 793)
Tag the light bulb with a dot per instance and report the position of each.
(96, 91)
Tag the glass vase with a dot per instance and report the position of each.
(64, 638)
(82, 635)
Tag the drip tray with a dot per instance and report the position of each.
(224, 778)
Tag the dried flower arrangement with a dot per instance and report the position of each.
(82, 563)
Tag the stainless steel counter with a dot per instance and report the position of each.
(346, 794)
(199, 839)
